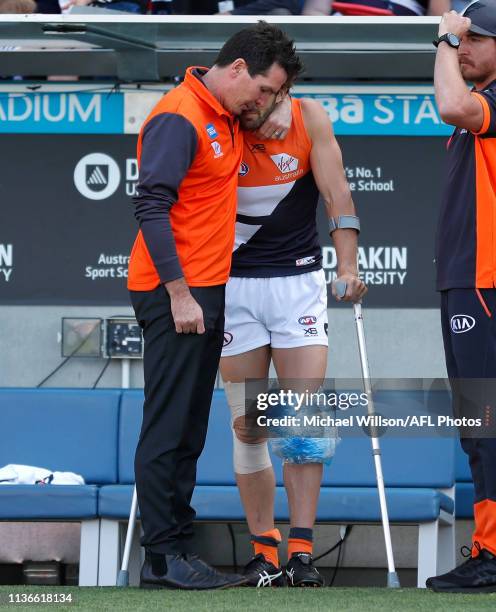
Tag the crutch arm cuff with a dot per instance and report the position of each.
(344, 222)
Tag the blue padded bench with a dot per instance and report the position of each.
(62, 430)
(464, 490)
(419, 476)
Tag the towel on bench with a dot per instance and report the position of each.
(27, 474)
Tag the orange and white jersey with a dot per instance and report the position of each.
(276, 231)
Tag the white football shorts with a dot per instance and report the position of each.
(283, 311)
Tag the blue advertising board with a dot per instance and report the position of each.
(409, 113)
(385, 114)
(61, 113)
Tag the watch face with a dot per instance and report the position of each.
(453, 40)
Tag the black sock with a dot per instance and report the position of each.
(301, 533)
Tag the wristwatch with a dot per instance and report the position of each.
(451, 39)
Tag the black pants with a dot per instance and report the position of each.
(468, 319)
(180, 371)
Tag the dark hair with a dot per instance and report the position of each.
(261, 45)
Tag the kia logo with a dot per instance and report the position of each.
(462, 323)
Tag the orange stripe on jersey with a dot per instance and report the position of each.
(486, 114)
(485, 263)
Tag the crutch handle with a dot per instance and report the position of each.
(340, 288)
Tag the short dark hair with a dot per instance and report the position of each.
(261, 45)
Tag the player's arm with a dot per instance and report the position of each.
(327, 167)
(456, 105)
(162, 169)
(316, 7)
(278, 123)
(438, 7)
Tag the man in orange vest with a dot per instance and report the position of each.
(189, 153)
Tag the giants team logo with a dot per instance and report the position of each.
(286, 163)
(243, 169)
(462, 323)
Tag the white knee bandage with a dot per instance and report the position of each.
(235, 394)
(250, 458)
(247, 458)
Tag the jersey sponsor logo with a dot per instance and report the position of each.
(462, 323)
(307, 320)
(217, 149)
(228, 338)
(289, 175)
(211, 131)
(286, 163)
(257, 148)
(97, 176)
(305, 261)
(243, 169)
(311, 331)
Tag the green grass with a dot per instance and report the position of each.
(260, 600)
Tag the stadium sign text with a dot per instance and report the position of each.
(383, 114)
(61, 113)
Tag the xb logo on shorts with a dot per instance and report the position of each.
(311, 331)
(228, 338)
(462, 323)
(97, 176)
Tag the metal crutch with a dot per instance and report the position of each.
(123, 577)
(393, 581)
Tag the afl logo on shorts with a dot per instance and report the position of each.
(462, 323)
(243, 169)
(228, 338)
(307, 320)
